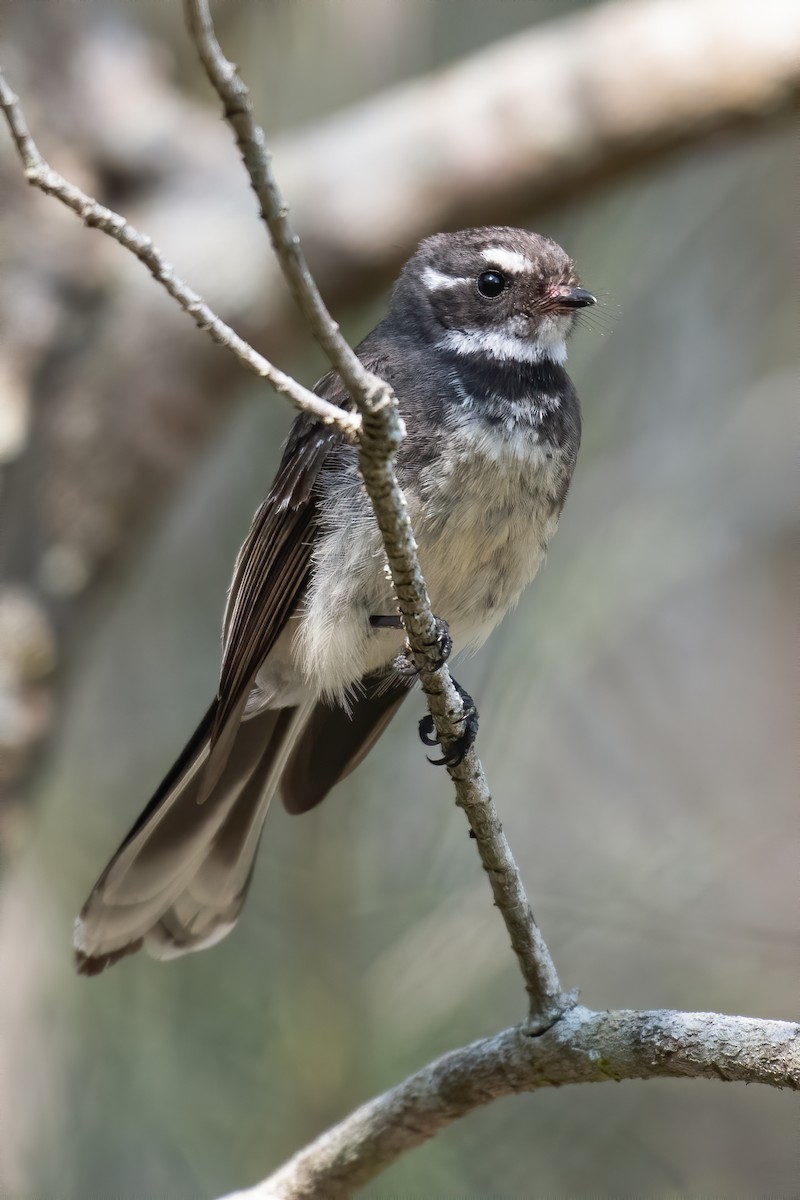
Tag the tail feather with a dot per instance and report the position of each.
(178, 881)
(210, 902)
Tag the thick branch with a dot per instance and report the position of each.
(582, 1047)
(381, 433)
(533, 119)
(40, 175)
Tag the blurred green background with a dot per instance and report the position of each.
(638, 717)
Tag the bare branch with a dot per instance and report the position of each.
(365, 389)
(381, 434)
(583, 1047)
(41, 175)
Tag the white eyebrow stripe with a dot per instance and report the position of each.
(502, 346)
(435, 280)
(507, 260)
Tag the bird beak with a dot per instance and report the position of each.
(566, 298)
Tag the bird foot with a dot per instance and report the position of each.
(404, 663)
(455, 754)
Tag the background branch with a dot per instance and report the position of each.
(533, 118)
(582, 1047)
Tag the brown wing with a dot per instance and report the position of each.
(273, 565)
(272, 569)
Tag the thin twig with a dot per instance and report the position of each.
(41, 175)
(583, 1047)
(366, 389)
(381, 434)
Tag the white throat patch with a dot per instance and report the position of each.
(503, 346)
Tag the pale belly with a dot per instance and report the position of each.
(479, 554)
(482, 518)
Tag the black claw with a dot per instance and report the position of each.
(444, 761)
(444, 643)
(455, 754)
(427, 731)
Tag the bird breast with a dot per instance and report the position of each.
(484, 514)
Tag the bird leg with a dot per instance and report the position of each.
(404, 662)
(391, 622)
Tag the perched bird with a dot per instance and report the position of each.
(474, 347)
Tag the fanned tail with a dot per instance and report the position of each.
(179, 880)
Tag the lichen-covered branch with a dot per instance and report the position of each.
(582, 1047)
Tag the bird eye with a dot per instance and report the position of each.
(491, 284)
